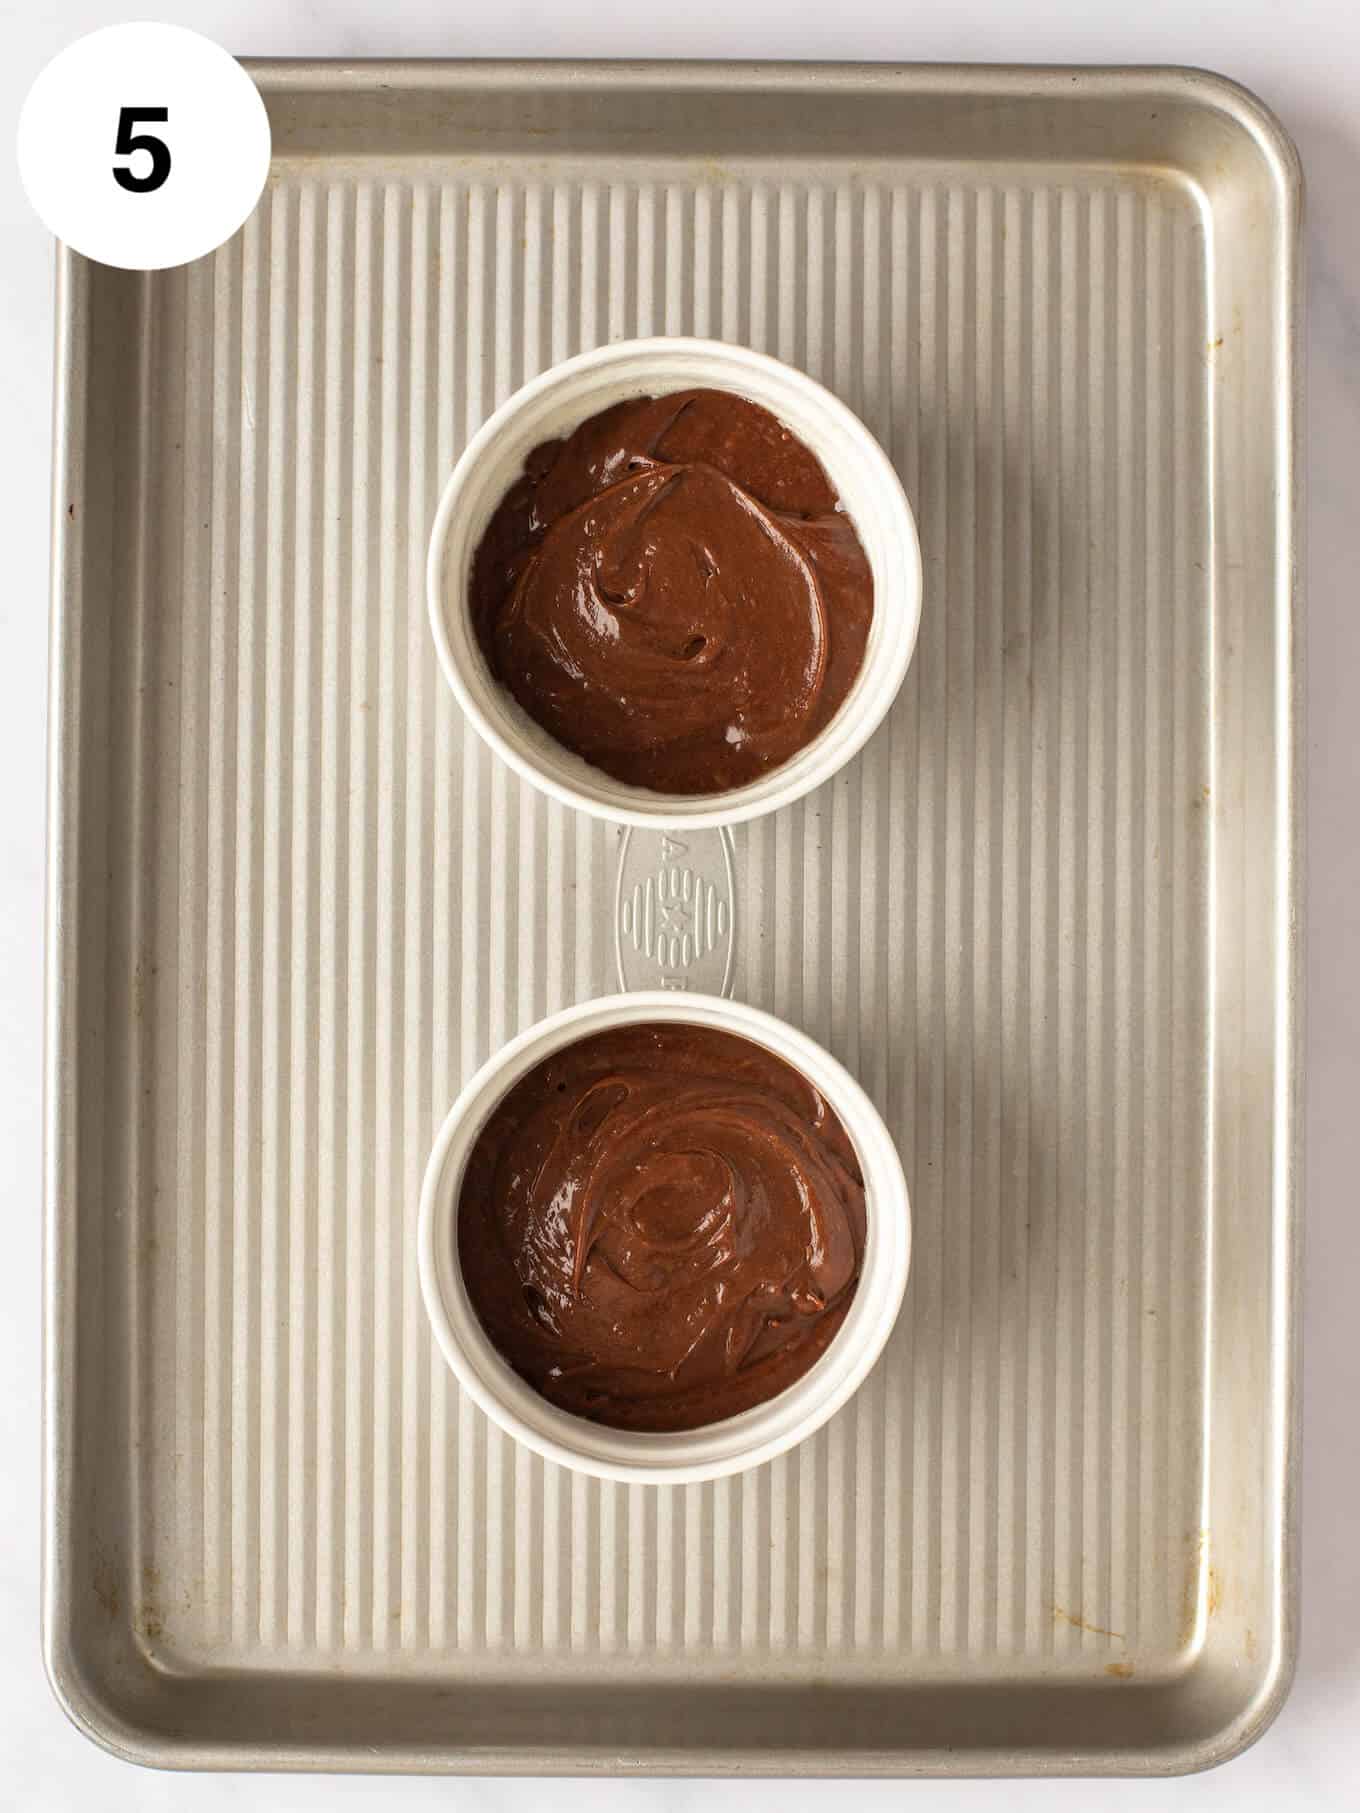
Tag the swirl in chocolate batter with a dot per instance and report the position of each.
(675, 593)
(661, 1225)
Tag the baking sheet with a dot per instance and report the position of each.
(1049, 918)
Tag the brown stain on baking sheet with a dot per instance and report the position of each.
(105, 1587)
(149, 1621)
(1077, 1622)
(1122, 1671)
(149, 1624)
(1202, 1577)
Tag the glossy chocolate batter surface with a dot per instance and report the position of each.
(661, 1226)
(674, 592)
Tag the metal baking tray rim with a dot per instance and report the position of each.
(90, 1709)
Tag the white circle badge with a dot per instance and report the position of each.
(143, 146)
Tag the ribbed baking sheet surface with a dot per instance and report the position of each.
(312, 903)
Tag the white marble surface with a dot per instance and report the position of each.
(1300, 55)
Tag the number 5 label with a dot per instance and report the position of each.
(128, 141)
(144, 146)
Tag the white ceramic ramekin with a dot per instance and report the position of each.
(554, 404)
(741, 1441)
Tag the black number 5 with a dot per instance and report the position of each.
(129, 142)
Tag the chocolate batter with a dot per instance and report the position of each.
(661, 1226)
(675, 593)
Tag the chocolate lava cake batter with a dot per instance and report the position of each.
(675, 593)
(661, 1225)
